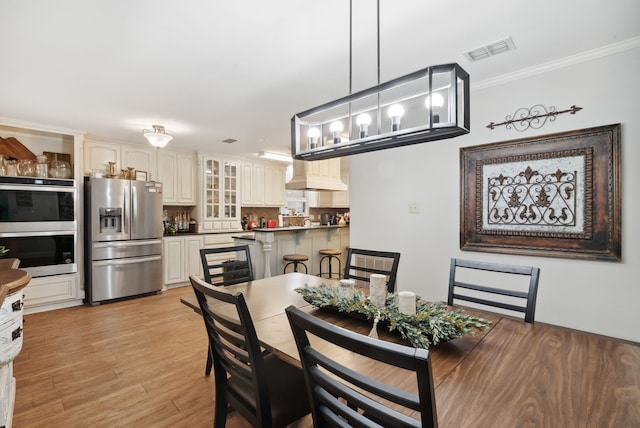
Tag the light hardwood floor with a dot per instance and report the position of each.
(134, 363)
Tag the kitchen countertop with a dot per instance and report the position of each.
(297, 228)
(265, 229)
(201, 233)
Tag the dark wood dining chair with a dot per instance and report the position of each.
(265, 390)
(513, 299)
(225, 266)
(340, 396)
(360, 264)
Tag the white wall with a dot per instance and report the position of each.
(595, 296)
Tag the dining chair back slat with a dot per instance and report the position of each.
(227, 265)
(360, 264)
(523, 301)
(265, 390)
(340, 396)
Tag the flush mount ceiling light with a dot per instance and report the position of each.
(158, 137)
(426, 105)
(275, 156)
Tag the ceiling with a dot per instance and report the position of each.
(212, 70)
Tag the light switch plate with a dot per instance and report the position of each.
(414, 208)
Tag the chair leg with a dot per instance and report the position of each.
(207, 370)
(220, 415)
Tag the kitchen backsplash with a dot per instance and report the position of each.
(315, 213)
(269, 213)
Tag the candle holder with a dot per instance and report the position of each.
(347, 288)
(378, 289)
(407, 302)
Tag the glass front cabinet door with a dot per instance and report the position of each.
(221, 209)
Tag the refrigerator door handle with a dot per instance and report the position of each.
(126, 261)
(134, 214)
(127, 208)
(123, 244)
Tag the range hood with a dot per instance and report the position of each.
(316, 175)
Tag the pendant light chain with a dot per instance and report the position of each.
(378, 62)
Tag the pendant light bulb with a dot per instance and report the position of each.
(336, 128)
(395, 114)
(364, 120)
(314, 135)
(436, 101)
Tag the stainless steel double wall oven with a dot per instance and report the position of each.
(38, 223)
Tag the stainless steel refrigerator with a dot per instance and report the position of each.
(123, 238)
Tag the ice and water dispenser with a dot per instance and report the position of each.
(110, 220)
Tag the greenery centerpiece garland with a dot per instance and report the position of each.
(432, 323)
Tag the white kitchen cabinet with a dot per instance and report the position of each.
(252, 184)
(52, 292)
(275, 194)
(263, 185)
(181, 255)
(181, 258)
(219, 209)
(176, 172)
(173, 256)
(98, 154)
(192, 262)
(218, 240)
(142, 158)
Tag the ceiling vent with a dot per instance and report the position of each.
(491, 49)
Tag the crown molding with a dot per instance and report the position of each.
(562, 63)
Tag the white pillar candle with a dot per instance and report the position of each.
(407, 302)
(346, 288)
(378, 289)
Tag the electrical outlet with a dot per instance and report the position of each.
(414, 208)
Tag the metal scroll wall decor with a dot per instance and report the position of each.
(555, 195)
(534, 117)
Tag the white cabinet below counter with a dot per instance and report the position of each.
(47, 293)
(181, 256)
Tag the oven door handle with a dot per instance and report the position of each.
(34, 234)
(37, 188)
(129, 261)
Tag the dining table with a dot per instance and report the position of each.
(513, 374)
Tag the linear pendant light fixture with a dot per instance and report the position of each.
(158, 137)
(426, 105)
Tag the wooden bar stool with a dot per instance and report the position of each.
(330, 254)
(295, 259)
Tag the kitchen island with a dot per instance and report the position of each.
(267, 246)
